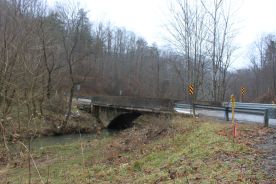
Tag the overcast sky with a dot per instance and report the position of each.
(147, 18)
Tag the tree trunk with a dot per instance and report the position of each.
(49, 85)
(68, 114)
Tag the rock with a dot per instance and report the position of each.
(75, 114)
(172, 174)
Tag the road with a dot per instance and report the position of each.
(240, 117)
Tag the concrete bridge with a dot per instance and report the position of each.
(118, 112)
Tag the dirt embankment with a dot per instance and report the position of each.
(46, 126)
(268, 147)
(159, 150)
(52, 125)
(264, 140)
(261, 139)
(84, 123)
(146, 130)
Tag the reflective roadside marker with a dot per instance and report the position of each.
(243, 90)
(242, 93)
(233, 102)
(191, 89)
(234, 124)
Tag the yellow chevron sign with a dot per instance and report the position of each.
(243, 90)
(191, 89)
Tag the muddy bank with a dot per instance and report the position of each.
(52, 125)
(70, 129)
(48, 126)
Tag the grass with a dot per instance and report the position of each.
(190, 151)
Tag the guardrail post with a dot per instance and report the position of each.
(227, 113)
(266, 118)
(193, 109)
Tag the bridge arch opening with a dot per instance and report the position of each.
(123, 121)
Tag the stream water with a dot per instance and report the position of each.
(41, 142)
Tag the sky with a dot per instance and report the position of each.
(148, 17)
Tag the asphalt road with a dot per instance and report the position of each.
(240, 117)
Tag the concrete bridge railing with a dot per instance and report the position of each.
(137, 103)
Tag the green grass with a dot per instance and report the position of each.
(198, 154)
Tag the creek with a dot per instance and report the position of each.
(41, 142)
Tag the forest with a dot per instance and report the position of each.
(46, 54)
(52, 55)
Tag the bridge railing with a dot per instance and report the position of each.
(133, 102)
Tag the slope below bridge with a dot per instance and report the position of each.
(118, 112)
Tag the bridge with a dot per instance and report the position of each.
(118, 112)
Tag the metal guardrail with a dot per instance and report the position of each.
(240, 107)
(267, 110)
(250, 105)
(249, 110)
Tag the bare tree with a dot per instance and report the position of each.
(202, 32)
(188, 35)
(221, 35)
(76, 43)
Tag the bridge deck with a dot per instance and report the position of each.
(129, 103)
